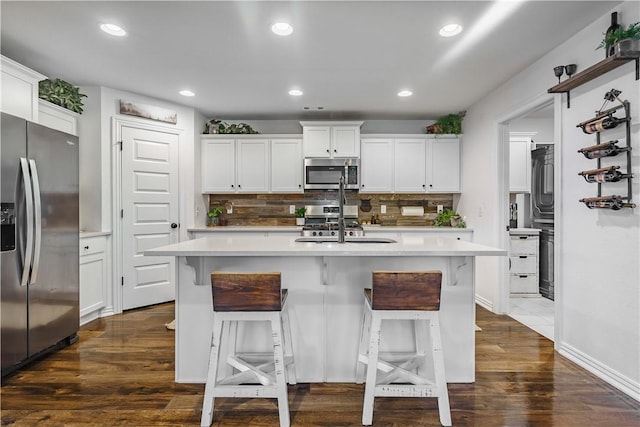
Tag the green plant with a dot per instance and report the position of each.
(620, 33)
(300, 212)
(223, 127)
(448, 217)
(61, 93)
(215, 212)
(449, 124)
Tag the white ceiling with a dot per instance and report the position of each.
(350, 57)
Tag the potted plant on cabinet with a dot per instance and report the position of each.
(300, 216)
(449, 124)
(623, 41)
(214, 216)
(61, 93)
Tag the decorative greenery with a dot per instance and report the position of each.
(215, 212)
(300, 212)
(223, 127)
(451, 218)
(449, 124)
(620, 33)
(61, 93)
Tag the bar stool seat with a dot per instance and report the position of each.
(240, 297)
(403, 296)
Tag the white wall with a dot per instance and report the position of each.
(542, 127)
(598, 274)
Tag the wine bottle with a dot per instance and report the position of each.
(614, 26)
(608, 174)
(606, 149)
(608, 122)
(607, 202)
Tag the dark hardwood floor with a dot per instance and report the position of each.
(120, 373)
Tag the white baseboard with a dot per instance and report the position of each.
(484, 303)
(605, 373)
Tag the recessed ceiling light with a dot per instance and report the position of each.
(113, 29)
(405, 93)
(282, 28)
(186, 92)
(295, 92)
(450, 30)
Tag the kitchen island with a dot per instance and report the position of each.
(325, 282)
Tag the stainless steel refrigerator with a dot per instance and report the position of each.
(39, 258)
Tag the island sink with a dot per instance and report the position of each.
(347, 239)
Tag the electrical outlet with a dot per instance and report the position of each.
(292, 209)
(383, 209)
(440, 208)
(230, 209)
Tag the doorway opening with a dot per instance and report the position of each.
(530, 282)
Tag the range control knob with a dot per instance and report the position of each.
(333, 233)
(314, 233)
(351, 233)
(319, 233)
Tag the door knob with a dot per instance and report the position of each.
(174, 225)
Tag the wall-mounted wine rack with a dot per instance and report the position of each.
(602, 121)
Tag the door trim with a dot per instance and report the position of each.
(117, 123)
(501, 304)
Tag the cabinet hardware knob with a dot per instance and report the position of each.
(335, 151)
(299, 185)
(424, 186)
(239, 186)
(86, 248)
(328, 150)
(231, 185)
(430, 185)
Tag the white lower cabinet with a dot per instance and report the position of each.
(524, 262)
(93, 277)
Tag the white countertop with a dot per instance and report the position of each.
(287, 246)
(287, 228)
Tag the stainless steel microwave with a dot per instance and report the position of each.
(324, 174)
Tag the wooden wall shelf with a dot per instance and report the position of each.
(591, 73)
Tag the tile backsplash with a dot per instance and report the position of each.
(273, 209)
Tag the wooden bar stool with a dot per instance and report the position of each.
(411, 295)
(249, 297)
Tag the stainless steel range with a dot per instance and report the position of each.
(322, 220)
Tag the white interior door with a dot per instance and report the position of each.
(149, 193)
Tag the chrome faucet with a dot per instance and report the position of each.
(341, 210)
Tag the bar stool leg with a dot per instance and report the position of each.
(209, 396)
(438, 362)
(278, 358)
(364, 335)
(288, 346)
(420, 333)
(372, 369)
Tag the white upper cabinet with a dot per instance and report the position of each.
(331, 139)
(56, 117)
(218, 168)
(286, 165)
(251, 164)
(407, 163)
(19, 89)
(410, 165)
(377, 165)
(519, 163)
(444, 173)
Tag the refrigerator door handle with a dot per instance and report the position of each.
(28, 195)
(38, 222)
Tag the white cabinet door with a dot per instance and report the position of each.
(410, 155)
(317, 141)
(19, 89)
(377, 165)
(444, 165)
(286, 166)
(345, 141)
(218, 166)
(93, 278)
(520, 165)
(56, 117)
(252, 165)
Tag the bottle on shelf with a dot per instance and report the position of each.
(608, 122)
(608, 174)
(606, 149)
(614, 202)
(614, 26)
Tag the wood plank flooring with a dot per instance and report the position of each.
(120, 373)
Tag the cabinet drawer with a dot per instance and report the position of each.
(92, 245)
(523, 264)
(524, 284)
(524, 245)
